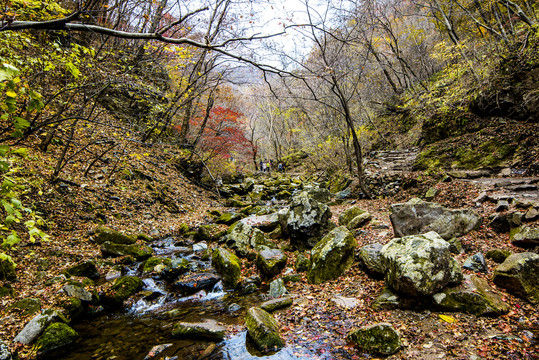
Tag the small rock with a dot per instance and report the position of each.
(277, 288)
(156, 350)
(264, 330)
(275, 304)
(345, 302)
(377, 339)
(476, 263)
(209, 330)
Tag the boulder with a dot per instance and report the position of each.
(84, 269)
(7, 268)
(113, 236)
(121, 290)
(228, 266)
(419, 265)
(476, 263)
(498, 255)
(193, 283)
(347, 215)
(418, 217)
(263, 330)
(370, 257)
(57, 335)
(518, 274)
(332, 256)
(377, 339)
(277, 288)
(271, 262)
(525, 236)
(27, 306)
(209, 330)
(263, 222)
(139, 252)
(275, 304)
(359, 221)
(319, 194)
(473, 296)
(242, 238)
(37, 325)
(308, 221)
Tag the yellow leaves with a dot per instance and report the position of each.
(447, 318)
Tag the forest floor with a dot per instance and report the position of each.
(158, 199)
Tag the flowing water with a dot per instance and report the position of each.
(143, 329)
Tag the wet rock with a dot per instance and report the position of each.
(112, 236)
(525, 237)
(85, 269)
(419, 265)
(502, 223)
(5, 354)
(7, 268)
(228, 266)
(121, 290)
(57, 335)
(209, 330)
(271, 262)
(193, 283)
(497, 255)
(476, 263)
(473, 296)
(332, 256)
(37, 325)
(518, 274)
(275, 304)
(264, 330)
(308, 221)
(200, 247)
(156, 265)
(418, 217)
(370, 257)
(303, 263)
(139, 252)
(156, 350)
(277, 288)
(175, 268)
(377, 339)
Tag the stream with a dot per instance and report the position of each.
(143, 329)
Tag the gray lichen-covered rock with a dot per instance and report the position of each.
(332, 256)
(277, 288)
(242, 238)
(56, 336)
(139, 252)
(519, 275)
(37, 325)
(377, 339)
(308, 221)
(370, 256)
(473, 296)
(228, 266)
(419, 265)
(5, 354)
(113, 236)
(525, 236)
(210, 232)
(389, 300)
(319, 194)
(209, 330)
(271, 262)
(263, 329)
(79, 292)
(7, 268)
(418, 217)
(303, 263)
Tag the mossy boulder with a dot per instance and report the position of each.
(377, 339)
(518, 274)
(498, 255)
(525, 236)
(84, 269)
(271, 262)
(211, 232)
(7, 268)
(228, 266)
(263, 330)
(56, 336)
(73, 308)
(347, 215)
(113, 236)
(6, 290)
(208, 330)
(121, 290)
(37, 325)
(359, 221)
(332, 256)
(139, 252)
(228, 218)
(419, 265)
(473, 296)
(156, 265)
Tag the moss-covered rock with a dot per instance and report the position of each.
(377, 339)
(347, 215)
(121, 290)
(73, 308)
(139, 252)
(271, 262)
(210, 232)
(275, 304)
(277, 288)
(7, 268)
(359, 221)
(525, 236)
(113, 236)
(303, 263)
(332, 256)
(208, 330)
(56, 336)
(6, 290)
(28, 306)
(263, 329)
(228, 266)
(37, 325)
(498, 255)
(228, 218)
(85, 269)
(156, 265)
